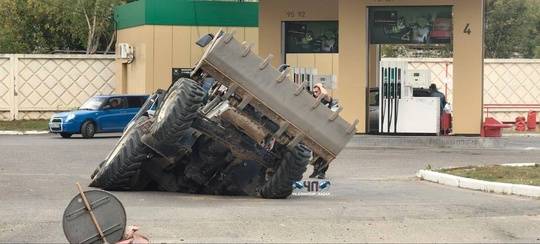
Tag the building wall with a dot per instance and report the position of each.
(162, 34)
(353, 59)
(468, 66)
(160, 48)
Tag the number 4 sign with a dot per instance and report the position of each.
(467, 29)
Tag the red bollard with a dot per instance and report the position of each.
(520, 123)
(531, 120)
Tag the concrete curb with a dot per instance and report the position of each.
(521, 135)
(427, 141)
(31, 132)
(473, 184)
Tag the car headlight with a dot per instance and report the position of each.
(70, 117)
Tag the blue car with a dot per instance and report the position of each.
(99, 114)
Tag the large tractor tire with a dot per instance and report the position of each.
(120, 170)
(128, 127)
(291, 168)
(177, 112)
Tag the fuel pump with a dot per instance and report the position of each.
(391, 85)
(400, 111)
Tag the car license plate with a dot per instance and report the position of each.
(55, 125)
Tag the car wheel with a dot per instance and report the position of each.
(66, 135)
(88, 129)
(292, 166)
(120, 170)
(177, 112)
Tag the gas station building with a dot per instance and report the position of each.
(342, 40)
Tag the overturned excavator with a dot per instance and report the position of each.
(251, 132)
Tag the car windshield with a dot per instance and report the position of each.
(93, 103)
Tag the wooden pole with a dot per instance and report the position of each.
(91, 213)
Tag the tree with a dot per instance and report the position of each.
(90, 22)
(43, 26)
(100, 28)
(23, 29)
(509, 26)
(531, 44)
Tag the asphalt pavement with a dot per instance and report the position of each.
(374, 197)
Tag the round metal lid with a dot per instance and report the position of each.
(109, 213)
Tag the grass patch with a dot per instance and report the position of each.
(525, 175)
(25, 125)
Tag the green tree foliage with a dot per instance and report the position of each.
(98, 23)
(512, 28)
(22, 29)
(43, 26)
(531, 47)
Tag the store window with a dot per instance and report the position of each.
(410, 25)
(311, 37)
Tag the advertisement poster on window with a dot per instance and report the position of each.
(311, 37)
(410, 25)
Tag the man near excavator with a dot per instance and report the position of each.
(319, 168)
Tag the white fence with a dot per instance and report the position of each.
(36, 86)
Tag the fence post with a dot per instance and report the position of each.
(15, 86)
(11, 87)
